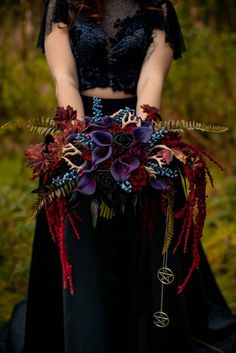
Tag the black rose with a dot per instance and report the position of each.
(105, 181)
(123, 139)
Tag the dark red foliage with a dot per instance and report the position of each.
(153, 113)
(63, 116)
(37, 159)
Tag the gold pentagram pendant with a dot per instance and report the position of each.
(160, 319)
(165, 275)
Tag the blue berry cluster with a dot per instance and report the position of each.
(124, 111)
(164, 171)
(97, 109)
(66, 178)
(83, 138)
(157, 135)
(126, 186)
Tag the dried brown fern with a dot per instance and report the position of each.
(169, 232)
(51, 191)
(188, 125)
(42, 126)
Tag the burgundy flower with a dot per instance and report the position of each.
(87, 155)
(139, 150)
(139, 178)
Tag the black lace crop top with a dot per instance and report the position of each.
(111, 53)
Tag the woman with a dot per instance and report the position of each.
(119, 51)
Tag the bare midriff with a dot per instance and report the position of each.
(105, 93)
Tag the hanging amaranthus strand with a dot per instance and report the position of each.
(56, 215)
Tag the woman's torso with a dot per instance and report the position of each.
(109, 55)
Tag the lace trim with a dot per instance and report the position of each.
(50, 16)
(54, 11)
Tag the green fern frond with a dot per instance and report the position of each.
(42, 126)
(106, 211)
(52, 192)
(189, 125)
(183, 182)
(169, 232)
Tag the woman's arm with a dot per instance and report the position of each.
(153, 73)
(63, 69)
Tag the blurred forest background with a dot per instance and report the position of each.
(201, 87)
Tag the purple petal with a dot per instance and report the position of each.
(108, 121)
(147, 123)
(71, 137)
(119, 171)
(86, 184)
(142, 134)
(89, 167)
(101, 154)
(101, 138)
(158, 183)
(131, 162)
(105, 122)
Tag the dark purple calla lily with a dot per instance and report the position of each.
(158, 183)
(142, 134)
(123, 166)
(101, 154)
(131, 162)
(101, 138)
(88, 168)
(119, 171)
(86, 184)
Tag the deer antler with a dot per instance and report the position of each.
(116, 113)
(159, 160)
(151, 172)
(162, 158)
(131, 119)
(73, 166)
(71, 150)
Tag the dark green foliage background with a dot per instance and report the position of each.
(199, 87)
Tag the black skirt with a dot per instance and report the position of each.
(118, 296)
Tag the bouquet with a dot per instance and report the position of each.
(110, 157)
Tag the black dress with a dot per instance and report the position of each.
(122, 301)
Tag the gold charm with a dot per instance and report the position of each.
(160, 319)
(165, 275)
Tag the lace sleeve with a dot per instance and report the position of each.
(54, 11)
(164, 16)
